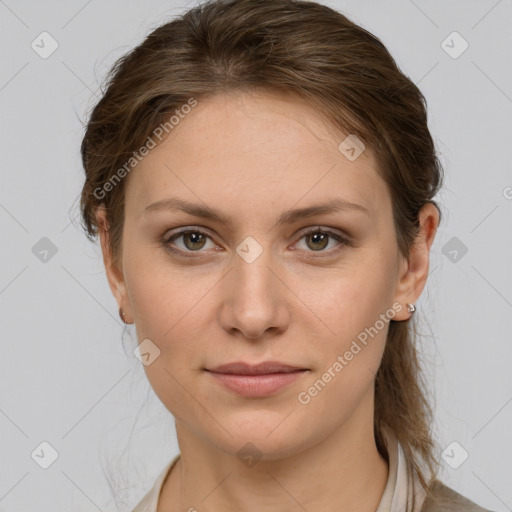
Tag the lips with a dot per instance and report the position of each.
(264, 368)
(256, 381)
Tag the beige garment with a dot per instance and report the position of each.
(401, 494)
(150, 500)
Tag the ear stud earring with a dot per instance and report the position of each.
(411, 308)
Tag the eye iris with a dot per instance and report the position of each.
(322, 237)
(194, 236)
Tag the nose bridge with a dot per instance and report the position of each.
(253, 302)
(252, 273)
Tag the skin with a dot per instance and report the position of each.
(302, 302)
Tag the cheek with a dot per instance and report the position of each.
(165, 298)
(355, 304)
(353, 298)
(350, 354)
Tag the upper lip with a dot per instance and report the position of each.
(241, 368)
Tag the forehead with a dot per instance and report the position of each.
(254, 151)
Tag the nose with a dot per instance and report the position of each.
(255, 298)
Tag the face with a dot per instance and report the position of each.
(253, 285)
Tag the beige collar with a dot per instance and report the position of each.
(403, 491)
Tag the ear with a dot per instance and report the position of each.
(413, 272)
(114, 273)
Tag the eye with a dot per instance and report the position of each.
(193, 241)
(317, 240)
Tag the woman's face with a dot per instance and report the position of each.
(253, 286)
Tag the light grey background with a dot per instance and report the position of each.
(64, 376)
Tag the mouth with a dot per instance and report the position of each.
(264, 368)
(256, 381)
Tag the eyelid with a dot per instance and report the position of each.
(328, 231)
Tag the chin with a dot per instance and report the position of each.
(264, 436)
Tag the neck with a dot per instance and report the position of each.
(343, 471)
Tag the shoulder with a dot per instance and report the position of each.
(445, 499)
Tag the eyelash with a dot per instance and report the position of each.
(166, 241)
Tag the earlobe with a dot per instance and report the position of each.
(413, 277)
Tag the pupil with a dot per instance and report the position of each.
(322, 237)
(194, 237)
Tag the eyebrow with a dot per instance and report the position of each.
(286, 217)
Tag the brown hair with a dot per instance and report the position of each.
(301, 48)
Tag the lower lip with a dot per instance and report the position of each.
(256, 386)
